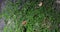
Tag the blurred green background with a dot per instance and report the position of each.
(38, 18)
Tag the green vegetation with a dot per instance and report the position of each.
(38, 19)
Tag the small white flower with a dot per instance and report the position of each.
(40, 4)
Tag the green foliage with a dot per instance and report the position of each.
(39, 19)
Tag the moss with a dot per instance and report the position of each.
(39, 19)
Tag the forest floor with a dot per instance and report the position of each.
(31, 16)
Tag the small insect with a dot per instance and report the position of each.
(40, 4)
(24, 28)
(24, 22)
